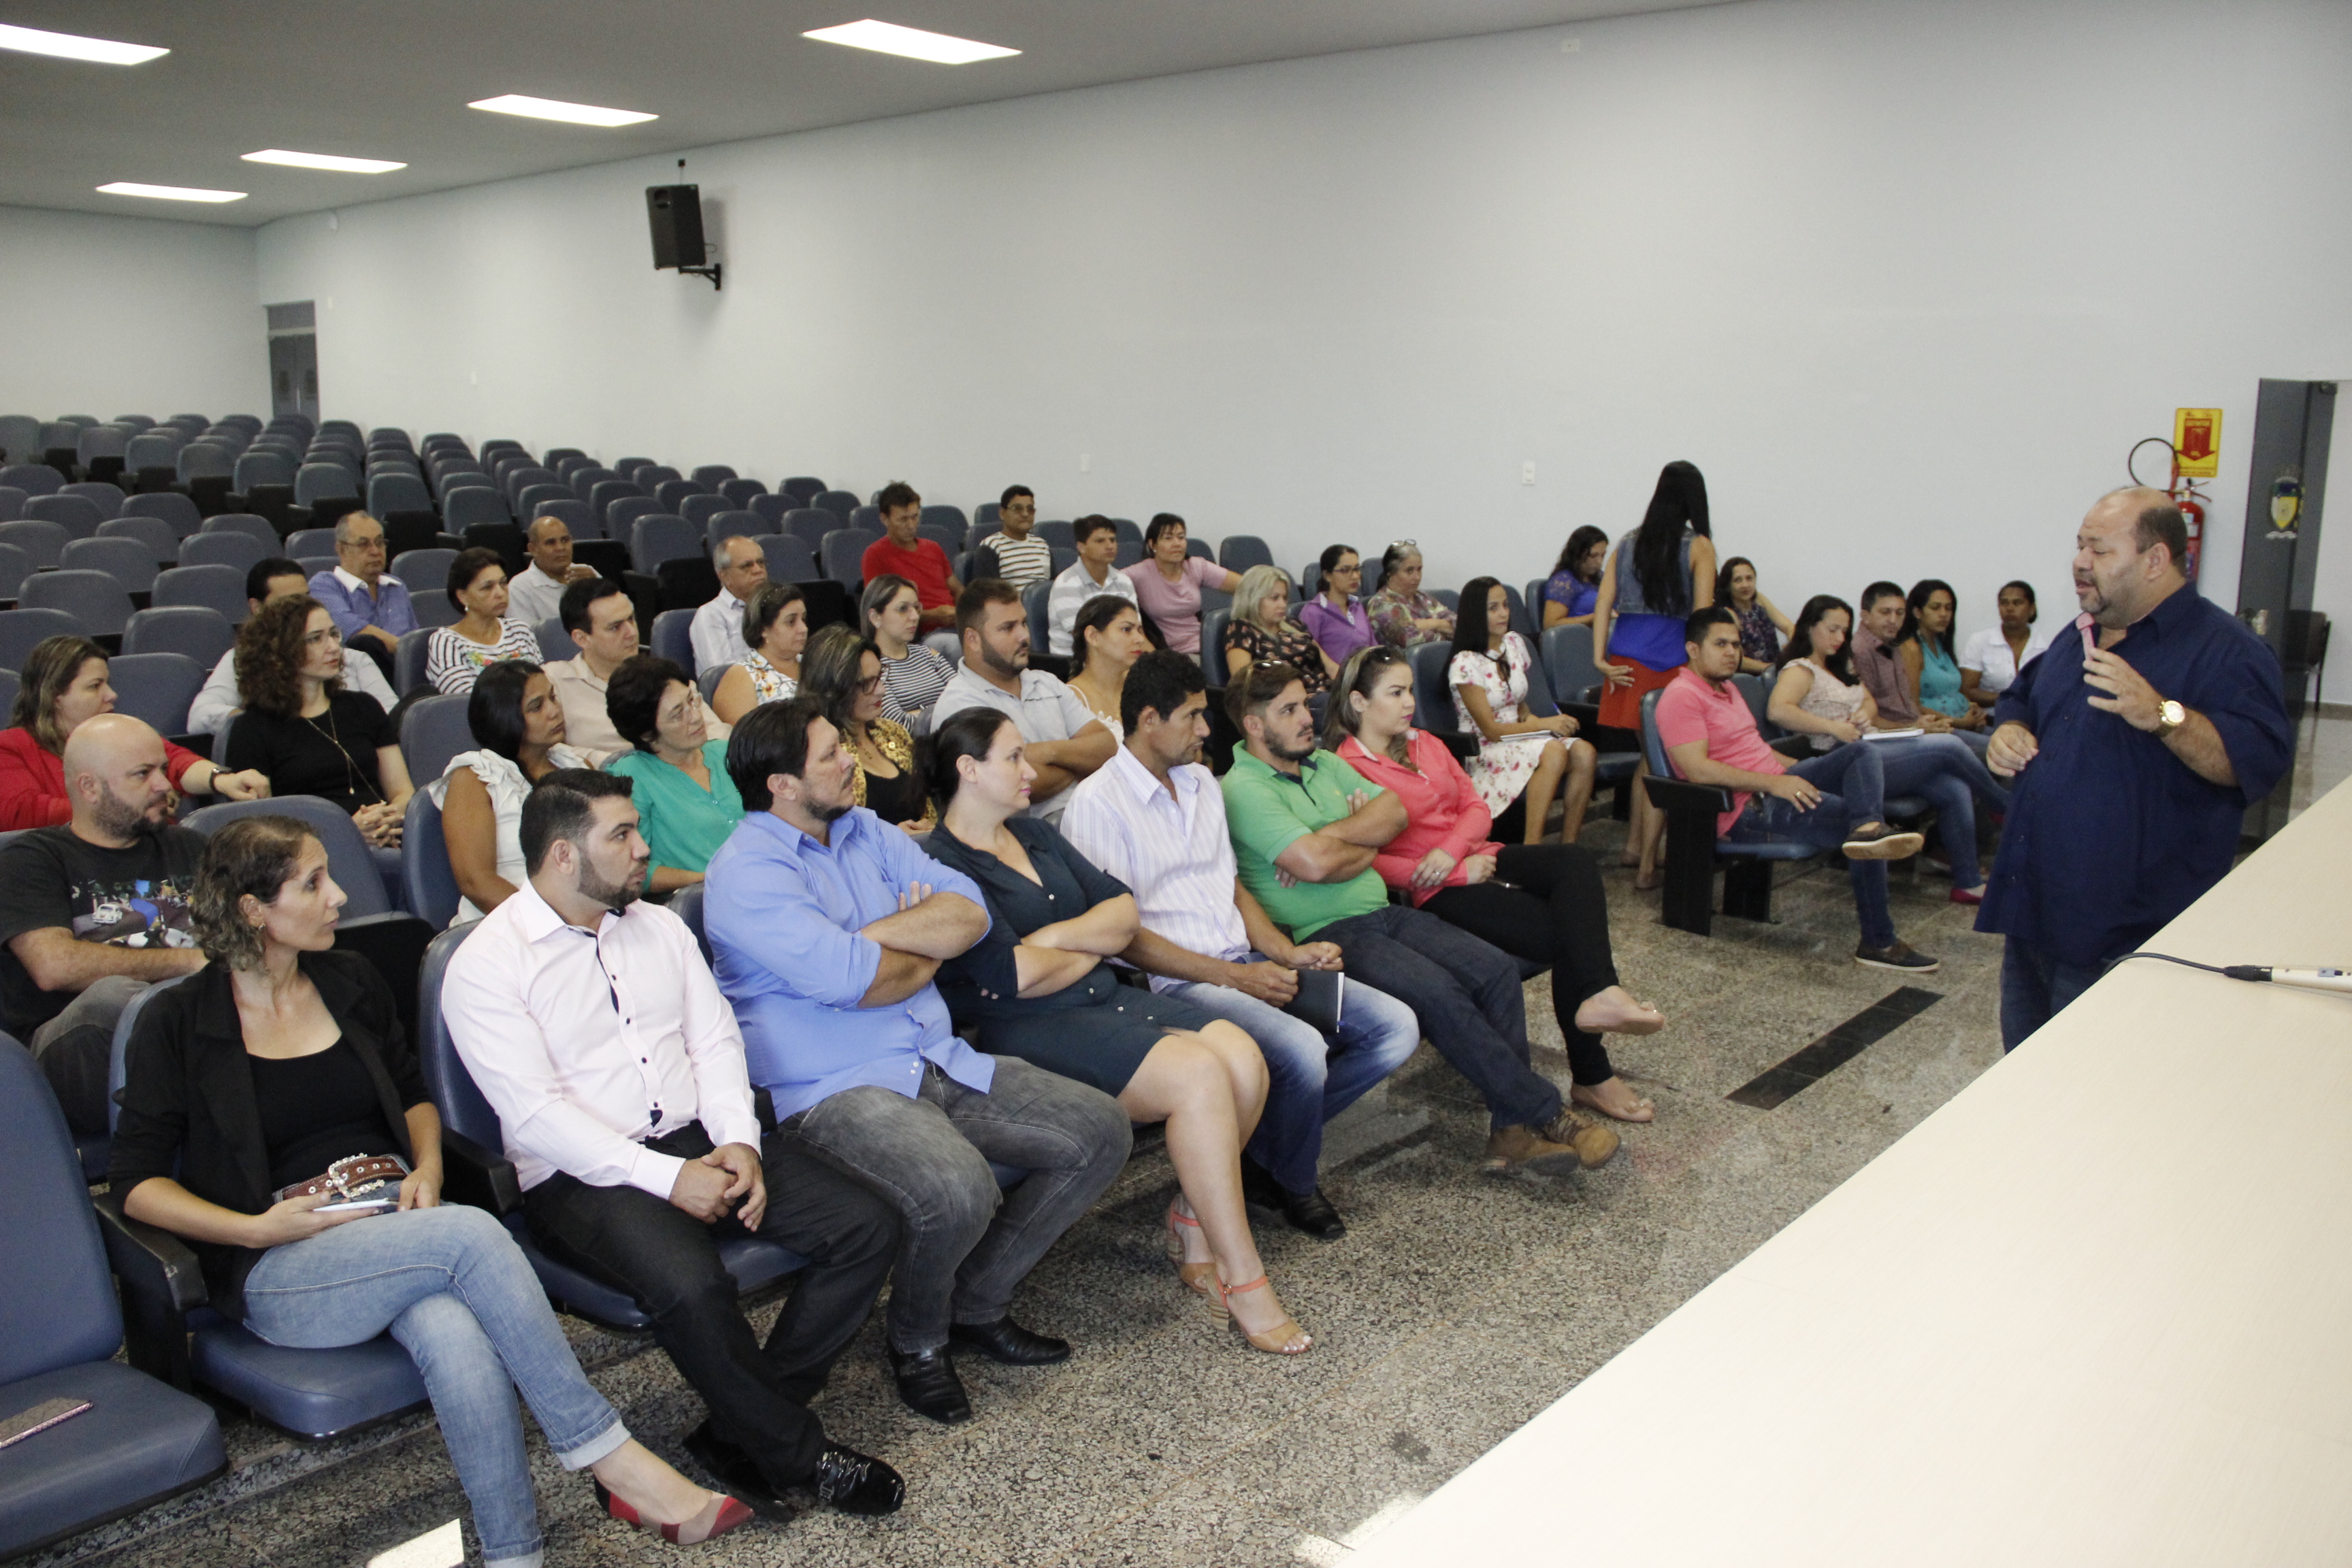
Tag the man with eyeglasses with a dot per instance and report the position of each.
(369, 608)
(1022, 557)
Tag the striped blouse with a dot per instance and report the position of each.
(452, 661)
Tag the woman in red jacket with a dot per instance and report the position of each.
(64, 682)
(1537, 901)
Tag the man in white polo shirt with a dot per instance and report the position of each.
(1153, 817)
(716, 631)
(1066, 740)
(1089, 577)
(536, 593)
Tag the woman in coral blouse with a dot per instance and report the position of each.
(1538, 902)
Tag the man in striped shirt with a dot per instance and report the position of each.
(1022, 557)
(1153, 817)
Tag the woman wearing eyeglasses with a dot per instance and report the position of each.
(1403, 615)
(844, 671)
(1335, 615)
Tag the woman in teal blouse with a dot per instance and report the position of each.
(686, 806)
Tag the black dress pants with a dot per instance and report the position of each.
(668, 1261)
(1545, 904)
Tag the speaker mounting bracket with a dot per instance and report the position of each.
(710, 272)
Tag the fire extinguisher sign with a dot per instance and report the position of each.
(2197, 443)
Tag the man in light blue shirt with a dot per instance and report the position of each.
(370, 606)
(828, 925)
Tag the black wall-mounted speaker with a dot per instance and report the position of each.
(674, 214)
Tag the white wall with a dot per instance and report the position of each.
(1906, 279)
(118, 315)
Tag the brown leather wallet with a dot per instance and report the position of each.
(349, 1179)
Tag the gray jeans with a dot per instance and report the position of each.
(76, 1049)
(964, 1243)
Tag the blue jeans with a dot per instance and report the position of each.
(2035, 985)
(1310, 1078)
(1852, 782)
(1946, 772)
(454, 1290)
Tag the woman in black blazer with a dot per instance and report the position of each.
(282, 1059)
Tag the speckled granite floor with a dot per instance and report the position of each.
(1456, 1307)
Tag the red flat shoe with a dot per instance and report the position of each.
(719, 1515)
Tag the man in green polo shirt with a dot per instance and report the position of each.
(1305, 826)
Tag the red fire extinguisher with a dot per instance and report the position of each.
(2191, 502)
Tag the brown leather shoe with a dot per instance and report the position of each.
(1524, 1148)
(1594, 1143)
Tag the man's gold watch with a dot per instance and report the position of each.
(2170, 716)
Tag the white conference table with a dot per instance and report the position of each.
(2096, 1309)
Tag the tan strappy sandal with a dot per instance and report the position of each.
(1286, 1338)
(1199, 1277)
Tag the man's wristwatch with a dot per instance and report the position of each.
(2170, 716)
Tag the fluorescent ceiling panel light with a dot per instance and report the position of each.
(889, 38)
(169, 192)
(70, 46)
(323, 161)
(570, 113)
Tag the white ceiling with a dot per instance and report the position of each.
(391, 78)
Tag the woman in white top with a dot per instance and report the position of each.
(1522, 759)
(1990, 663)
(913, 675)
(456, 655)
(518, 724)
(1107, 637)
(775, 626)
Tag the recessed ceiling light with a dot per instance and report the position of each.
(570, 113)
(70, 46)
(323, 161)
(889, 38)
(169, 192)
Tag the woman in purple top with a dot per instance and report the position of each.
(1168, 582)
(1335, 615)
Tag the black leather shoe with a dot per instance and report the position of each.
(1313, 1213)
(1007, 1341)
(857, 1483)
(927, 1382)
(1259, 1189)
(738, 1474)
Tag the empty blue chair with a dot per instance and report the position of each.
(810, 525)
(1432, 699)
(408, 661)
(305, 541)
(673, 637)
(699, 508)
(556, 456)
(191, 630)
(151, 535)
(214, 587)
(166, 505)
(107, 498)
(424, 571)
(427, 884)
(388, 493)
(554, 642)
(790, 559)
(461, 509)
(840, 504)
(728, 524)
(433, 730)
(14, 567)
(739, 492)
(141, 1441)
(651, 477)
(23, 629)
(100, 448)
(711, 476)
(129, 562)
(12, 504)
(842, 554)
(583, 482)
(96, 600)
(1060, 534)
(672, 493)
(575, 515)
(156, 450)
(773, 508)
(869, 518)
(602, 494)
(662, 537)
(33, 478)
(1032, 600)
(157, 688)
(621, 517)
(1240, 552)
(77, 515)
(263, 467)
(803, 488)
(20, 437)
(241, 551)
(528, 500)
(257, 529)
(522, 475)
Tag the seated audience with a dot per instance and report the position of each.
(1929, 669)
(536, 595)
(1168, 582)
(1573, 588)
(913, 675)
(277, 578)
(1523, 761)
(518, 729)
(1403, 615)
(828, 929)
(1306, 829)
(1761, 624)
(1154, 819)
(902, 551)
(1023, 557)
(686, 806)
(455, 654)
(63, 685)
(716, 631)
(284, 1059)
(1261, 632)
(1833, 801)
(775, 627)
(1993, 658)
(1090, 577)
(603, 621)
(307, 734)
(98, 909)
(1883, 625)
(1817, 694)
(1333, 616)
(370, 606)
(1066, 741)
(1106, 640)
(571, 1041)
(845, 679)
(1542, 902)
(1037, 986)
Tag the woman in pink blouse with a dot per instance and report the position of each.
(1537, 901)
(1168, 582)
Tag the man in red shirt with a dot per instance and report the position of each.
(901, 552)
(1833, 800)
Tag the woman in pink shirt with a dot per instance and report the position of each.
(1537, 901)
(1168, 582)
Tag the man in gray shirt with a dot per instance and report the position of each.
(1066, 740)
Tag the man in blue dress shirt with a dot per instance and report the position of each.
(2135, 761)
(828, 924)
(370, 606)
